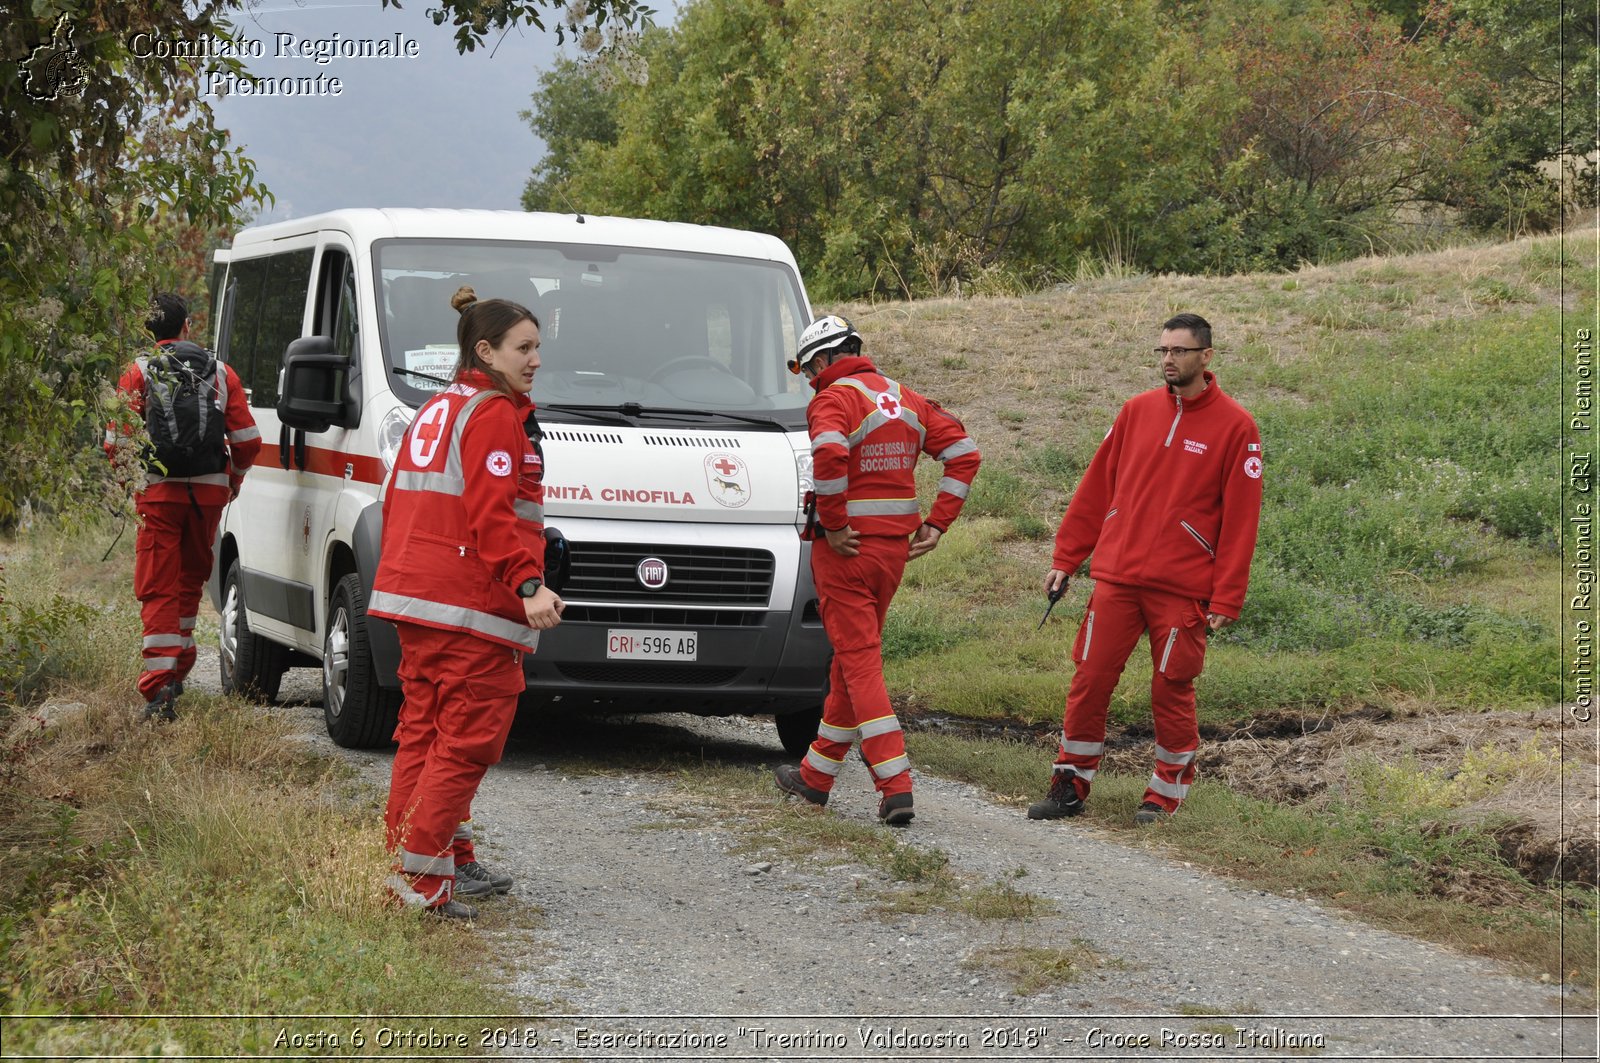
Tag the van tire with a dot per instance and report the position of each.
(251, 665)
(360, 713)
(797, 730)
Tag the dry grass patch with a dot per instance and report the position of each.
(208, 866)
(1085, 346)
(1530, 774)
(1032, 970)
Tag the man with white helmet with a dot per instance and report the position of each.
(867, 432)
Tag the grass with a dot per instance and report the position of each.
(1412, 465)
(1390, 852)
(253, 885)
(1031, 969)
(206, 867)
(1408, 561)
(917, 879)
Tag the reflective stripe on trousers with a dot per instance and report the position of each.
(855, 593)
(1114, 619)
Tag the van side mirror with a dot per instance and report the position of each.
(313, 394)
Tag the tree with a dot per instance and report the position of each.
(908, 147)
(1348, 122)
(102, 160)
(575, 105)
(1535, 118)
(596, 25)
(114, 180)
(894, 158)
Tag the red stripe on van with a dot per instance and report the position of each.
(325, 462)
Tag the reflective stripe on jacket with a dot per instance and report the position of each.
(463, 517)
(867, 432)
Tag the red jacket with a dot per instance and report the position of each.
(866, 434)
(1172, 499)
(244, 438)
(463, 516)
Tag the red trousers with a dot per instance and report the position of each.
(1117, 614)
(460, 699)
(172, 560)
(854, 595)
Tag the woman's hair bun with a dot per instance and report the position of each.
(463, 298)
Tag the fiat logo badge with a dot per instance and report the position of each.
(652, 573)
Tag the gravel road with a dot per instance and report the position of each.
(636, 933)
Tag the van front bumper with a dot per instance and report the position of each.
(777, 665)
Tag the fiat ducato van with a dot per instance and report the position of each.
(675, 444)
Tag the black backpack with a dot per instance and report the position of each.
(182, 414)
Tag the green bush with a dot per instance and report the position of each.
(31, 640)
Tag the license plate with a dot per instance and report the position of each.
(626, 644)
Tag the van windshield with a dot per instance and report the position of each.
(618, 326)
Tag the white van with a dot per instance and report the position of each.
(676, 454)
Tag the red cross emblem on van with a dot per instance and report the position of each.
(728, 480)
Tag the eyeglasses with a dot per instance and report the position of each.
(1162, 352)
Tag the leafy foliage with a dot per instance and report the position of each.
(29, 635)
(110, 162)
(115, 182)
(578, 109)
(1545, 59)
(944, 147)
(597, 25)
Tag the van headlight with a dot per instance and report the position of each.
(391, 430)
(802, 470)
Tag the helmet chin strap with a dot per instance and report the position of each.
(826, 358)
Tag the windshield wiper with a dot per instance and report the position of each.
(633, 409)
(604, 414)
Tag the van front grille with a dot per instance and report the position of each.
(648, 616)
(696, 575)
(662, 674)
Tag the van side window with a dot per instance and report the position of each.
(776, 347)
(269, 305)
(336, 315)
(214, 291)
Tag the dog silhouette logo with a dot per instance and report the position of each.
(729, 480)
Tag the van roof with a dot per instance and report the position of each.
(367, 224)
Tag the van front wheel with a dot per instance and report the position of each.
(359, 713)
(250, 665)
(797, 729)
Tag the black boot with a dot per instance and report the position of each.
(789, 781)
(1062, 800)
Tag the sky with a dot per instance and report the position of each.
(437, 129)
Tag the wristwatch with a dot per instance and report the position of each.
(529, 588)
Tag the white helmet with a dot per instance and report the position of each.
(827, 333)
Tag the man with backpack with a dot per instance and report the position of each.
(201, 439)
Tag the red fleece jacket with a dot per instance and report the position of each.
(1172, 499)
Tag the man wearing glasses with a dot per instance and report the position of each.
(1168, 507)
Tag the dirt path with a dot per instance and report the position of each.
(644, 924)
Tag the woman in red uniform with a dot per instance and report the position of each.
(461, 576)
